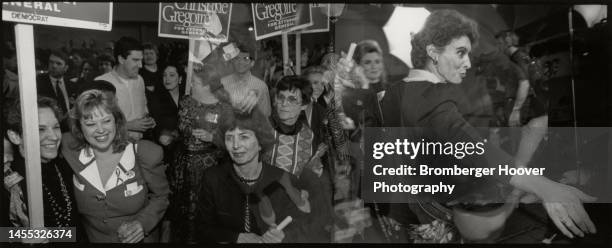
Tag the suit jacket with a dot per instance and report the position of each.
(44, 87)
(137, 189)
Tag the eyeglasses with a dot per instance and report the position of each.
(292, 100)
(246, 58)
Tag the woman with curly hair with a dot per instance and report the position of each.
(427, 98)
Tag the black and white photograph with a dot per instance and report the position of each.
(191, 123)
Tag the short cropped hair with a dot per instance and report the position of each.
(440, 28)
(85, 104)
(125, 45)
(292, 83)
(254, 121)
(61, 55)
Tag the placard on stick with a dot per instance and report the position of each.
(207, 21)
(87, 15)
(271, 19)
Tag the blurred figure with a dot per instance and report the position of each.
(201, 113)
(246, 91)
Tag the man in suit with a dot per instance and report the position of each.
(52, 84)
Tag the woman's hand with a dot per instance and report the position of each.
(165, 139)
(202, 135)
(248, 103)
(249, 238)
(562, 202)
(273, 236)
(131, 232)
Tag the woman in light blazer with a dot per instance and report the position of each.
(120, 187)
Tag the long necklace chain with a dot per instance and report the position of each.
(63, 215)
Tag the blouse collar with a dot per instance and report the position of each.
(421, 75)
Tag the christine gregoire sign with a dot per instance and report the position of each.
(89, 15)
(271, 19)
(207, 21)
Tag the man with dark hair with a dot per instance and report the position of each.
(130, 87)
(246, 91)
(53, 84)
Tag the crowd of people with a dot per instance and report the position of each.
(127, 156)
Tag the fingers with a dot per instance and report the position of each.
(585, 224)
(134, 233)
(273, 236)
(584, 197)
(555, 216)
(575, 223)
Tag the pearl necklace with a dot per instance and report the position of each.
(63, 215)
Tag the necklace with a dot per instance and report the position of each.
(249, 181)
(63, 214)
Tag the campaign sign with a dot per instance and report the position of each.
(320, 18)
(204, 21)
(271, 19)
(87, 15)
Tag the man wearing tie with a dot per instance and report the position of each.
(52, 84)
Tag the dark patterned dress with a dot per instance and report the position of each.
(186, 173)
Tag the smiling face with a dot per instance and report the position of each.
(242, 145)
(171, 78)
(131, 64)
(288, 105)
(454, 60)
(99, 129)
(50, 134)
(372, 64)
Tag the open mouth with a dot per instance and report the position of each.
(50, 146)
(101, 138)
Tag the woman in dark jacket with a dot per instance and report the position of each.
(59, 204)
(230, 209)
(426, 98)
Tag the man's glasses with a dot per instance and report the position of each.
(245, 59)
(292, 100)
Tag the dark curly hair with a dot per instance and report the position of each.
(85, 104)
(254, 121)
(440, 28)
